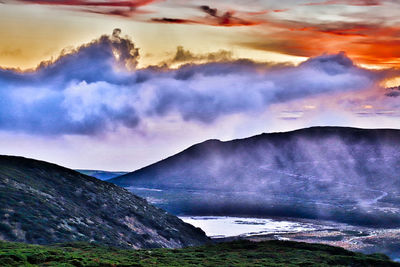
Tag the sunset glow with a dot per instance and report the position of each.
(366, 30)
(154, 76)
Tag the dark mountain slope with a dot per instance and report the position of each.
(45, 203)
(343, 174)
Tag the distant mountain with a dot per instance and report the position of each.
(44, 203)
(342, 174)
(101, 175)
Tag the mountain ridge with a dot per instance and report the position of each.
(45, 203)
(254, 137)
(283, 174)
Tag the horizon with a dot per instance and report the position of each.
(223, 141)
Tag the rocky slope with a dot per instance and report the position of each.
(44, 203)
(342, 174)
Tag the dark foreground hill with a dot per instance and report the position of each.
(239, 253)
(341, 174)
(44, 203)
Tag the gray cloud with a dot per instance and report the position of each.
(96, 88)
(183, 55)
(393, 91)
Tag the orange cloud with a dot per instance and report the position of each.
(367, 43)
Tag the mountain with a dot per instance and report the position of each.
(44, 203)
(101, 175)
(335, 173)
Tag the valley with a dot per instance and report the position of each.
(101, 175)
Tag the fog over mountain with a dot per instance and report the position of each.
(342, 174)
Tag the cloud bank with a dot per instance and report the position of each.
(96, 88)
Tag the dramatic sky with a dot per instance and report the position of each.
(119, 84)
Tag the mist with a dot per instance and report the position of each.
(328, 173)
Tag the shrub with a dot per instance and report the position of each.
(36, 258)
(7, 230)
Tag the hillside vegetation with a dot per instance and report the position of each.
(43, 203)
(239, 253)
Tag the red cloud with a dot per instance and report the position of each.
(228, 21)
(280, 10)
(215, 18)
(109, 3)
(173, 21)
(125, 8)
(226, 18)
(348, 2)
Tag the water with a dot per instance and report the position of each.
(355, 238)
(236, 226)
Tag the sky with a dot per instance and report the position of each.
(120, 84)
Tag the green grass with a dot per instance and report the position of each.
(238, 253)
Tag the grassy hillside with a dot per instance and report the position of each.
(239, 253)
(42, 203)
